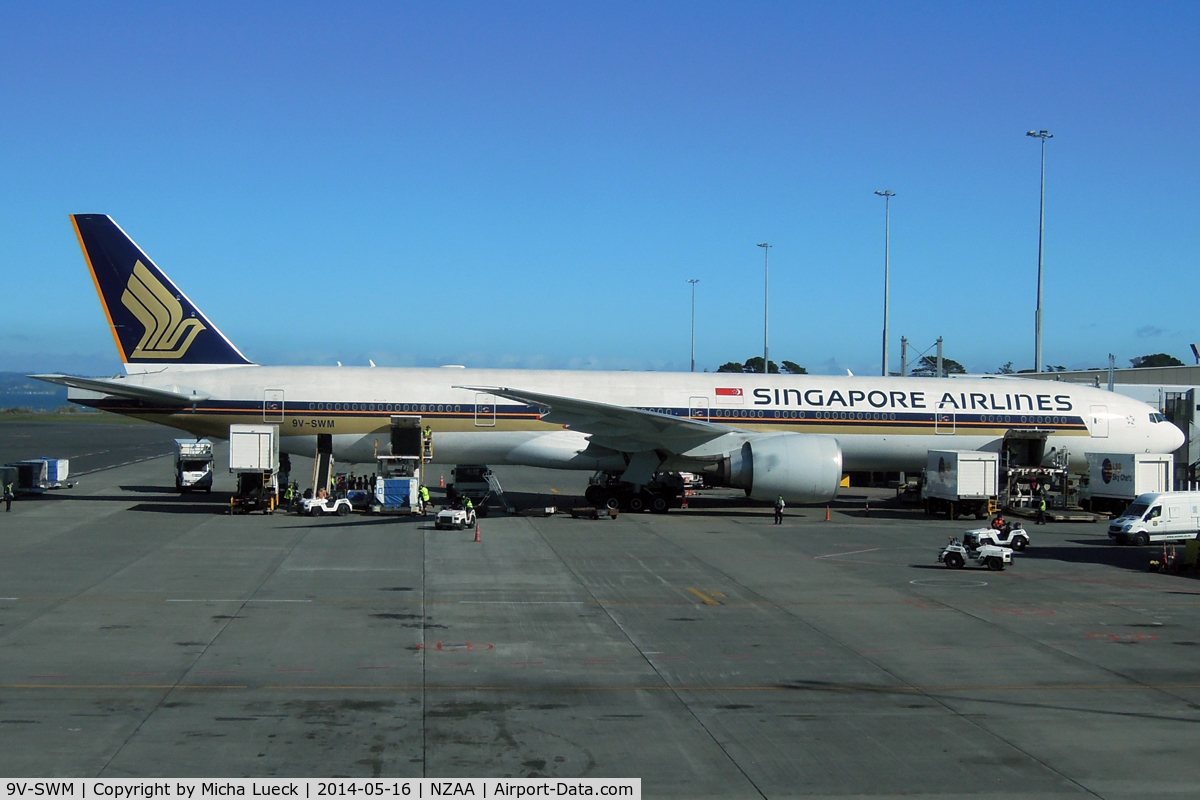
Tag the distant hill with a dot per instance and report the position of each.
(18, 391)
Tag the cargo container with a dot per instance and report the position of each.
(57, 470)
(32, 476)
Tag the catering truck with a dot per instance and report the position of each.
(193, 465)
(961, 482)
(254, 458)
(1158, 517)
(1112, 481)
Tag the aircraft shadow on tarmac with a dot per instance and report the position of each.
(1096, 551)
(181, 508)
(922, 698)
(357, 521)
(858, 510)
(171, 501)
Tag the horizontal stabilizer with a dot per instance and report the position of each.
(120, 387)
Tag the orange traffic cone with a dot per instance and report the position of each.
(827, 513)
(442, 481)
(478, 538)
(685, 495)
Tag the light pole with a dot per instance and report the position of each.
(887, 195)
(1037, 325)
(693, 282)
(766, 306)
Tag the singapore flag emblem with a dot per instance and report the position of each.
(730, 397)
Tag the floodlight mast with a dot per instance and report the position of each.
(766, 246)
(693, 282)
(887, 195)
(1037, 325)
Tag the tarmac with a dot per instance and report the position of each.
(708, 651)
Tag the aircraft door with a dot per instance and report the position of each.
(943, 422)
(485, 410)
(698, 408)
(273, 405)
(1099, 424)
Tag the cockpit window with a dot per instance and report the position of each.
(1158, 417)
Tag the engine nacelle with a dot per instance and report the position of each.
(804, 468)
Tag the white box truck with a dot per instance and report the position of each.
(193, 465)
(254, 458)
(1158, 517)
(1113, 481)
(961, 482)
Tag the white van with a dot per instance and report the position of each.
(1158, 517)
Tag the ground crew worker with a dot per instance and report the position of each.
(8, 496)
(424, 495)
(1041, 517)
(289, 496)
(469, 506)
(779, 506)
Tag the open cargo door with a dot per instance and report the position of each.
(406, 436)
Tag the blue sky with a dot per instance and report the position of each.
(531, 184)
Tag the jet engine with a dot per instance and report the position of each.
(804, 468)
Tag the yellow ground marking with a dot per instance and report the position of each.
(708, 601)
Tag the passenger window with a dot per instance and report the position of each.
(1155, 513)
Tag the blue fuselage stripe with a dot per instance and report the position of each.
(757, 416)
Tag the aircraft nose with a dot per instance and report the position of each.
(1173, 438)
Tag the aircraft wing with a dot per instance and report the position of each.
(616, 427)
(122, 388)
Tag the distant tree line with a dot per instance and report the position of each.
(927, 366)
(756, 365)
(1156, 360)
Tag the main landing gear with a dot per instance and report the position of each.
(662, 494)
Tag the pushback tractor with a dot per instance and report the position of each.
(956, 554)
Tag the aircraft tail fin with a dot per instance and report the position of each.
(153, 322)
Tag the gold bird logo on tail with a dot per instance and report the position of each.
(168, 334)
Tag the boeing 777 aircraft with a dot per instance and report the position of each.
(768, 434)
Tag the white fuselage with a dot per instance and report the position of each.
(885, 424)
